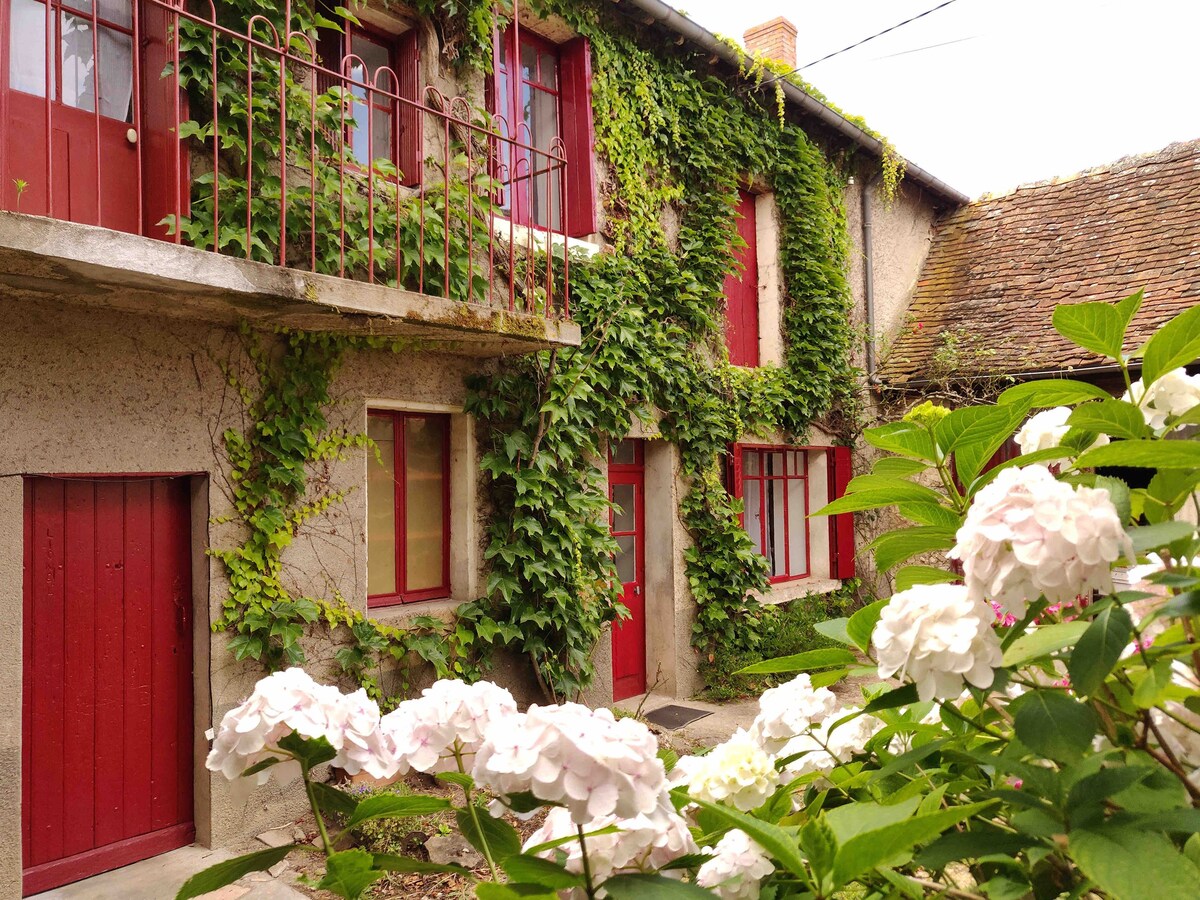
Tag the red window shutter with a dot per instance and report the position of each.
(841, 526)
(410, 136)
(741, 289)
(579, 137)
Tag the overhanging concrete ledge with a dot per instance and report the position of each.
(49, 260)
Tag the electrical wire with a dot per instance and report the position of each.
(858, 43)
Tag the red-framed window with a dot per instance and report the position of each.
(408, 507)
(75, 73)
(377, 67)
(741, 288)
(541, 91)
(776, 486)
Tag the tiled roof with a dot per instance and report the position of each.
(998, 267)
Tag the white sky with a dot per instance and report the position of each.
(1031, 88)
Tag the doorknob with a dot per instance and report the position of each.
(637, 590)
(131, 135)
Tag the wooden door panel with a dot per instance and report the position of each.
(107, 776)
(629, 636)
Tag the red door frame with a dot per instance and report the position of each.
(131, 785)
(629, 636)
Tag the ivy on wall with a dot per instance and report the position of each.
(675, 144)
(670, 138)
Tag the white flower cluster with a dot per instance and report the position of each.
(789, 710)
(431, 733)
(738, 771)
(1046, 430)
(1028, 534)
(736, 869)
(936, 635)
(831, 744)
(290, 701)
(642, 844)
(591, 763)
(1172, 394)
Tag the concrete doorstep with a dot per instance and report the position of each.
(160, 877)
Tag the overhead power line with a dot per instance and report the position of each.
(859, 43)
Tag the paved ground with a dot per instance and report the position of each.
(723, 720)
(160, 877)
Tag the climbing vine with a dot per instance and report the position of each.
(676, 144)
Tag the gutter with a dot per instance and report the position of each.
(868, 225)
(664, 15)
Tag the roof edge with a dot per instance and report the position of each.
(667, 16)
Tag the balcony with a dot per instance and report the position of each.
(239, 173)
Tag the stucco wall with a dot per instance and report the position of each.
(99, 392)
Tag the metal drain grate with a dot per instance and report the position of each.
(672, 716)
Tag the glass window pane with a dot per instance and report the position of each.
(425, 501)
(797, 528)
(119, 12)
(775, 528)
(116, 75)
(751, 462)
(774, 463)
(624, 453)
(753, 514)
(528, 62)
(548, 70)
(624, 496)
(382, 133)
(27, 47)
(77, 62)
(627, 559)
(375, 56)
(381, 508)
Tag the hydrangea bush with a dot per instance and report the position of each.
(1029, 725)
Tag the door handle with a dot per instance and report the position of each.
(637, 590)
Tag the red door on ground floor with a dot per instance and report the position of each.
(107, 723)
(627, 490)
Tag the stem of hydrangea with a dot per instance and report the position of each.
(312, 801)
(473, 812)
(587, 866)
(954, 711)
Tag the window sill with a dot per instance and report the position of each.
(523, 234)
(786, 591)
(398, 614)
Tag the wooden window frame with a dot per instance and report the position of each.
(401, 595)
(507, 54)
(740, 480)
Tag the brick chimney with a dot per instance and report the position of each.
(775, 40)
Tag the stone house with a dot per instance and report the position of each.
(131, 354)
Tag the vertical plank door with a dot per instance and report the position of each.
(627, 490)
(107, 709)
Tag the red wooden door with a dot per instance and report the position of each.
(741, 289)
(84, 111)
(627, 489)
(107, 723)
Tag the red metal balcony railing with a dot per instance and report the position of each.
(303, 148)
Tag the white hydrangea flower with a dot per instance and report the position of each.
(789, 710)
(1046, 430)
(736, 869)
(831, 744)
(1172, 394)
(585, 759)
(290, 701)
(448, 718)
(644, 843)
(738, 772)
(1028, 534)
(935, 635)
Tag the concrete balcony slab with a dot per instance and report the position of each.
(48, 260)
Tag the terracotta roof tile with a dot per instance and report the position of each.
(998, 267)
